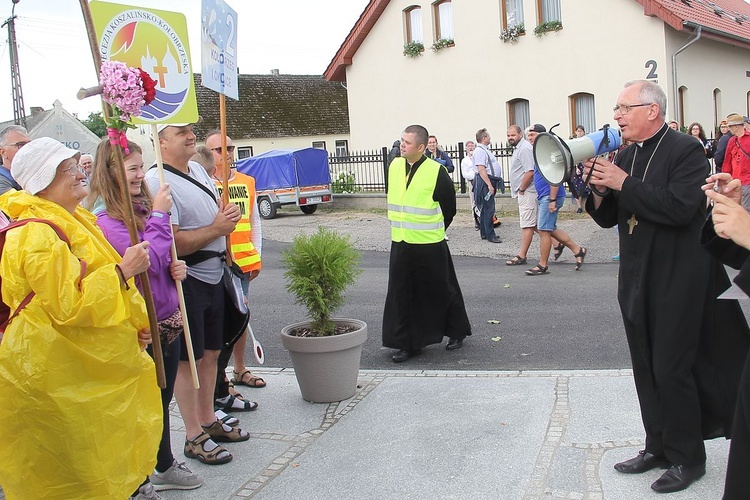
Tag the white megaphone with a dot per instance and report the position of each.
(557, 158)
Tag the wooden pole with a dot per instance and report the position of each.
(173, 250)
(225, 168)
(161, 379)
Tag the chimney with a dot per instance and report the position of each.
(274, 72)
(36, 110)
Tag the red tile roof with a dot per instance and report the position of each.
(727, 21)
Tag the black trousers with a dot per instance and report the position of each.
(738, 477)
(667, 392)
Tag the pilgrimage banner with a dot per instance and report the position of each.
(219, 48)
(157, 42)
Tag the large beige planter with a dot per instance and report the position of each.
(326, 368)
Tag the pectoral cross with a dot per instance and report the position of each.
(632, 222)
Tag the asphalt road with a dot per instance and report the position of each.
(564, 320)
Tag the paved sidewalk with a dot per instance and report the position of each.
(443, 435)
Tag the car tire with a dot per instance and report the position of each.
(266, 208)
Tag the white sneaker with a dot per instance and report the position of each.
(146, 492)
(177, 477)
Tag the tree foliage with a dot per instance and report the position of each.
(95, 123)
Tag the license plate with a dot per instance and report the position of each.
(314, 199)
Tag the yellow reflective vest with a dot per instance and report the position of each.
(415, 216)
(242, 194)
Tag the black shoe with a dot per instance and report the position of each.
(643, 462)
(678, 477)
(495, 240)
(454, 344)
(403, 354)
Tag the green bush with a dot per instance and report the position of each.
(345, 183)
(319, 268)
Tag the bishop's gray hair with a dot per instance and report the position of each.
(651, 92)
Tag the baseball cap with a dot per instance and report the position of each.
(538, 128)
(162, 126)
(35, 165)
(735, 119)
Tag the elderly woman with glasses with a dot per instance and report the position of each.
(79, 402)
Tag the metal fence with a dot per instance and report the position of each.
(365, 171)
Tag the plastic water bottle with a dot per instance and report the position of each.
(487, 196)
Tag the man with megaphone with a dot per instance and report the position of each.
(686, 368)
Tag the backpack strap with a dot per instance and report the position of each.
(172, 170)
(3, 234)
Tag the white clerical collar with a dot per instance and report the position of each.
(640, 144)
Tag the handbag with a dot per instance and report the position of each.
(236, 314)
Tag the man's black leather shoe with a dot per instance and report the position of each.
(643, 462)
(495, 240)
(678, 477)
(454, 344)
(403, 355)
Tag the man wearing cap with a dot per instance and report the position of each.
(721, 145)
(487, 180)
(550, 200)
(686, 347)
(200, 228)
(737, 158)
(12, 138)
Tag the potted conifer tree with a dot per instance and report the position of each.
(325, 351)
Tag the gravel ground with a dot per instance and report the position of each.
(371, 231)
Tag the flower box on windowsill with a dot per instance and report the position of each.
(512, 33)
(547, 27)
(413, 49)
(441, 44)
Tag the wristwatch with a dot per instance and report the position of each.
(522, 191)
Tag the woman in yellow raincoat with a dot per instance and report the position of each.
(79, 405)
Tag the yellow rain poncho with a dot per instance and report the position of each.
(80, 410)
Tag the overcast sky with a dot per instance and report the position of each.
(294, 36)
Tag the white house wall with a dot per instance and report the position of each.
(462, 88)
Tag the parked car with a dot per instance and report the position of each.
(289, 177)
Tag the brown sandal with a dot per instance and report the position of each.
(220, 434)
(558, 250)
(580, 255)
(253, 381)
(516, 261)
(196, 449)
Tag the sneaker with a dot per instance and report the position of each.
(146, 492)
(616, 258)
(177, 477)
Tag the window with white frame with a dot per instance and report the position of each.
(584, 112)
(549, 10)
(518, 113)
(512, 13)
(244, 152)
(413, 16)
(443, 13)
(319, 144)
(342, 148)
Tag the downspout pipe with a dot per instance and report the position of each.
(675, 88)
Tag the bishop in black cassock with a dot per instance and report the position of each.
(686, 364)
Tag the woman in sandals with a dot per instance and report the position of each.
(78, 396)
(152, 223)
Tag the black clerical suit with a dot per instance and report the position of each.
(738, 468)
(424, 301)
(686, 381)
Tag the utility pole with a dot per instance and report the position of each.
(19, 114)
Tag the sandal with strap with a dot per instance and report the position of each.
(227, 419)
(537, 270)
(580, 255)
(516, 261)
(196, 448)
(234, 402)
(558, 251)
(224, 433)
(253, 381)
